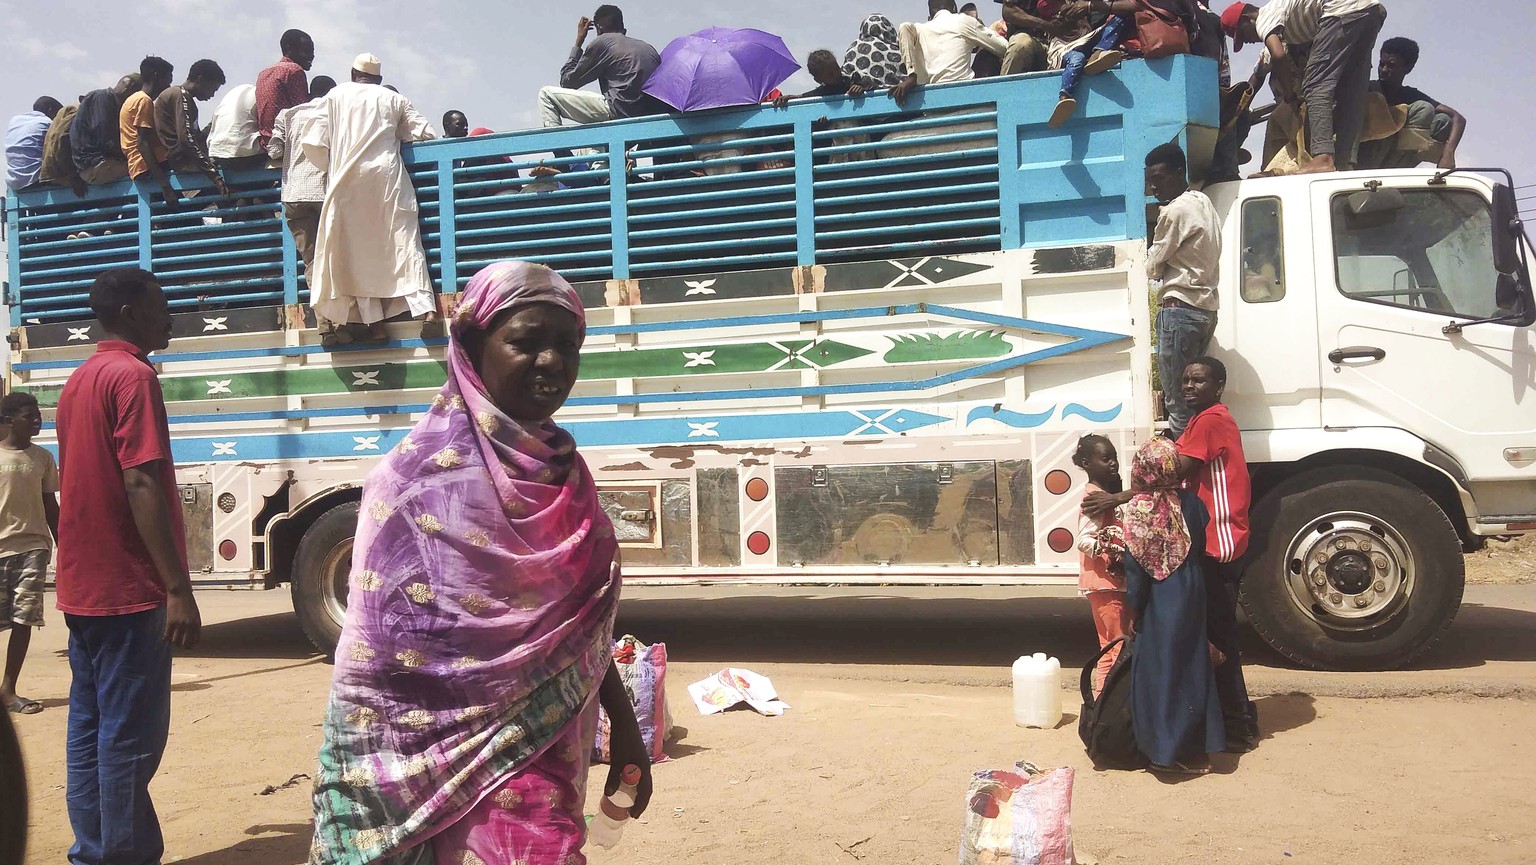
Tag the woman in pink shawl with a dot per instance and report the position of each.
(477, 644)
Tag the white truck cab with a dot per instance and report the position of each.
(1377, 330)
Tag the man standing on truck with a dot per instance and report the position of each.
(141, 142)
(1184, 264)
(304, 188)
(370, 264)
(122, 578)
(284, 84)
(619, 63)
(1334, 73)
(95, 142)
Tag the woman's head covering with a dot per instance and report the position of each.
(481, 604)
(1155, 531)
(874, 59)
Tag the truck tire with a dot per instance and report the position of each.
(321, 567)
(1353, 569)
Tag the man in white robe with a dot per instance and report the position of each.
(370, 264)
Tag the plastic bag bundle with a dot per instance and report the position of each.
(644, 671)
(1019, 816)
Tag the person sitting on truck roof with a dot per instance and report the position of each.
(938, 51)
(1032, 25)
(873, 61)
(1334, 74)
(829, 77)
(370, 264)
(58, 166)
(24, 142)
(618, 62)
(176, 121)
(1099, 51)
(284, 84)
(483, 600)
(234, 135)
(455, 125)
(303, 192)
(1184, 262)
(146, 153)
(95, 142)
(1433, 130)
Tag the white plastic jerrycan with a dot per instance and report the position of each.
(1037, 691)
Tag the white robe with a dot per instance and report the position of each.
(369, 261)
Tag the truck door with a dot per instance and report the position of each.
(1389, 281)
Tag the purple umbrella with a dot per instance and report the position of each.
(720, 67)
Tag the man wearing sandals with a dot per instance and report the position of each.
(29, 521)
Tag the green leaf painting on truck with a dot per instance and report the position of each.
(959, 345)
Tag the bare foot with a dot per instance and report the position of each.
(1320, 165)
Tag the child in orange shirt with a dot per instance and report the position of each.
(1101, 544)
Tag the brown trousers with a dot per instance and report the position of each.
(303, 218)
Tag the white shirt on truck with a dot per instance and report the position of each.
(1186, 251)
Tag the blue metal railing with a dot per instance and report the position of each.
(959, 168)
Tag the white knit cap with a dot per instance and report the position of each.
(367, 64)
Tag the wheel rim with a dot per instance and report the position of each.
(334, 573)
(1349, 571)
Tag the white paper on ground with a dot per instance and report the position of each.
(731, 686)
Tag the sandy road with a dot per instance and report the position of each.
(897, 697)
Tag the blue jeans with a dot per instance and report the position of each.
(1183, 334)
(119, 718)
(1072, 64)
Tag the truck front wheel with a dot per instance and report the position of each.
(1352, 569)
(321, 568)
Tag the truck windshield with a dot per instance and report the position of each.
(1434, 254)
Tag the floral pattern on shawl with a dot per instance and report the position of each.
(480, 609)
(1155, 532)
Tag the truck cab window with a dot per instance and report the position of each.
(1263, 264)
(1434, 254)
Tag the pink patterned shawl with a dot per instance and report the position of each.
(1155, 531)
(480, 610)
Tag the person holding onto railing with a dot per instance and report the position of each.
(829, 77)
(304, 189)
(176, 122)
(141, 143)
(95, 143)
(1184, 263)
(938, 51)
(873, 61)
(1097, 50)
(618, 62)
(24, 142)
(369, 263)
(285, 83)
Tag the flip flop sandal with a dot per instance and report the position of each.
(1181, 769)
(23, 706)
(1103, 61)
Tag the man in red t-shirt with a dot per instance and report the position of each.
(285, 83)
(1211, 463)
(122, 573)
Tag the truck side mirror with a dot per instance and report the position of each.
(1506, 230)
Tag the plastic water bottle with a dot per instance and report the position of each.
(1037, 691)
(613, 811)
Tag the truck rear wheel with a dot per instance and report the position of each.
(1354, 569)
(321, 568)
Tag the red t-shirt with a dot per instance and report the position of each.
(1223, 484)
(111, 417)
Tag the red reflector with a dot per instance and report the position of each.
(1058, 482)
(758, 543)
(1522, 527)
(227, 550)
(1059, 540)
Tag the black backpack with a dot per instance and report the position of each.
(1105, 725)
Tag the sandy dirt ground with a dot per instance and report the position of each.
(897, 696)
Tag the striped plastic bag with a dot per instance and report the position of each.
(1021, 816)
(644, 671)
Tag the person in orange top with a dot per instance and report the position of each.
(1101, 543)
(146, 153)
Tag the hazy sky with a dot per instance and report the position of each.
(489, 58)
